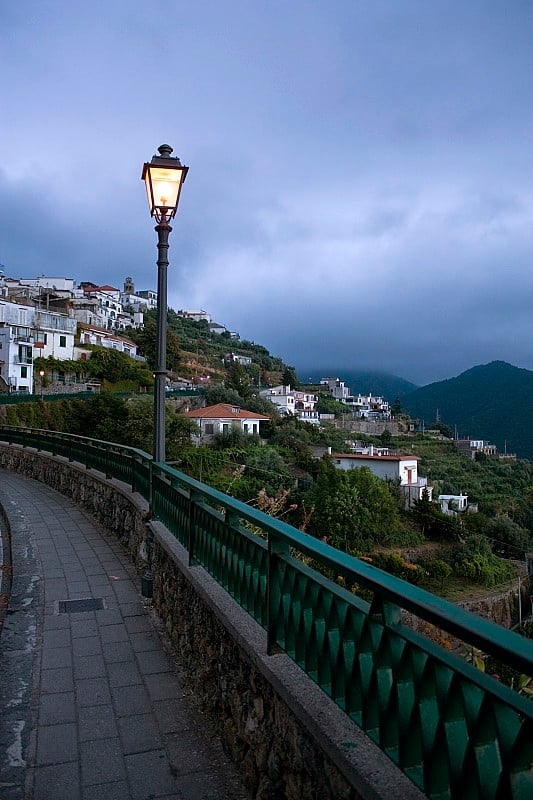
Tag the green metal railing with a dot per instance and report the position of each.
(456, 732)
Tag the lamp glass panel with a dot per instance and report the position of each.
(165, 186)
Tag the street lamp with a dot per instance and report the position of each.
(41, 375)
(164, 177)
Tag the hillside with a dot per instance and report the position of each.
(377, 383)
(491, 401)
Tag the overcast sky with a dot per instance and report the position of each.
(360, 192)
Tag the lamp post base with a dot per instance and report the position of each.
(147, 584)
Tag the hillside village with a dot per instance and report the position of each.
(53, 317)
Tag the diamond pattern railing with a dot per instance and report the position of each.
(456, 732)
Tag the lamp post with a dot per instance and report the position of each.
(163, 177)
(41, 375)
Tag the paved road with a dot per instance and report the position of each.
(91, 703)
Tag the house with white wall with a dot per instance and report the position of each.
(25, 333)
(195, 314)
(103, 338)
(336, 388)
(16, 347)
(98, 305)
(137, 301)
(53, 335)
(398, 468)
(368, 406)
(282, 397)
(453, 504)
(222, 418)
(293, 402)
(245, 361)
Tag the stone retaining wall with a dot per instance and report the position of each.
(289, 740)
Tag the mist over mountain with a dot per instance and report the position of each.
(364, 381)
(492, 401)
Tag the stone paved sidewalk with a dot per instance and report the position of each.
(91, 704)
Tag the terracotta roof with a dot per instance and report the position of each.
(224, 411)
(106, 288)
(94, 329)
(365, 457)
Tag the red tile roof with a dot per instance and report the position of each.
(224, 411)
(106, 288)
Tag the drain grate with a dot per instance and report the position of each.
(75, 606)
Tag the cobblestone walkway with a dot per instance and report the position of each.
(91, 704)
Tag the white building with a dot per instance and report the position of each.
(293, 402)
(222, 418)
(453, 504)
(245, 361)
(398, 468)
(362, 406)
(282, 397)
(196, 315)
(99, 305)
(16, 348)
(336, 388)
(137, 301)
(365, 406)
(25, 333)
(53, 335)
(104, 338)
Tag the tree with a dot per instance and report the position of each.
(114, 366)
(235, 438)
(509, 540)
(223, 394)
(289, 377)
(396, 408)
(352, 508)
(146, 340)
(434, 524)
(262, 470)
(138, 428)
(329, 405)
(238, 380)
(386, 437)
(475, 561)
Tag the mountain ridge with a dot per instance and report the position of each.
(492, 401)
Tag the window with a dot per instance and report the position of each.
(245, 427)
(24, 372)
(62, 341)
(209, 427)
(25, 354)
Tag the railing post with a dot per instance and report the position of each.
(195, 499)
(277, 550)
(389, 613)
(134, 462)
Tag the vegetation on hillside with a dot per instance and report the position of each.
(491, 401)
(355, 510)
